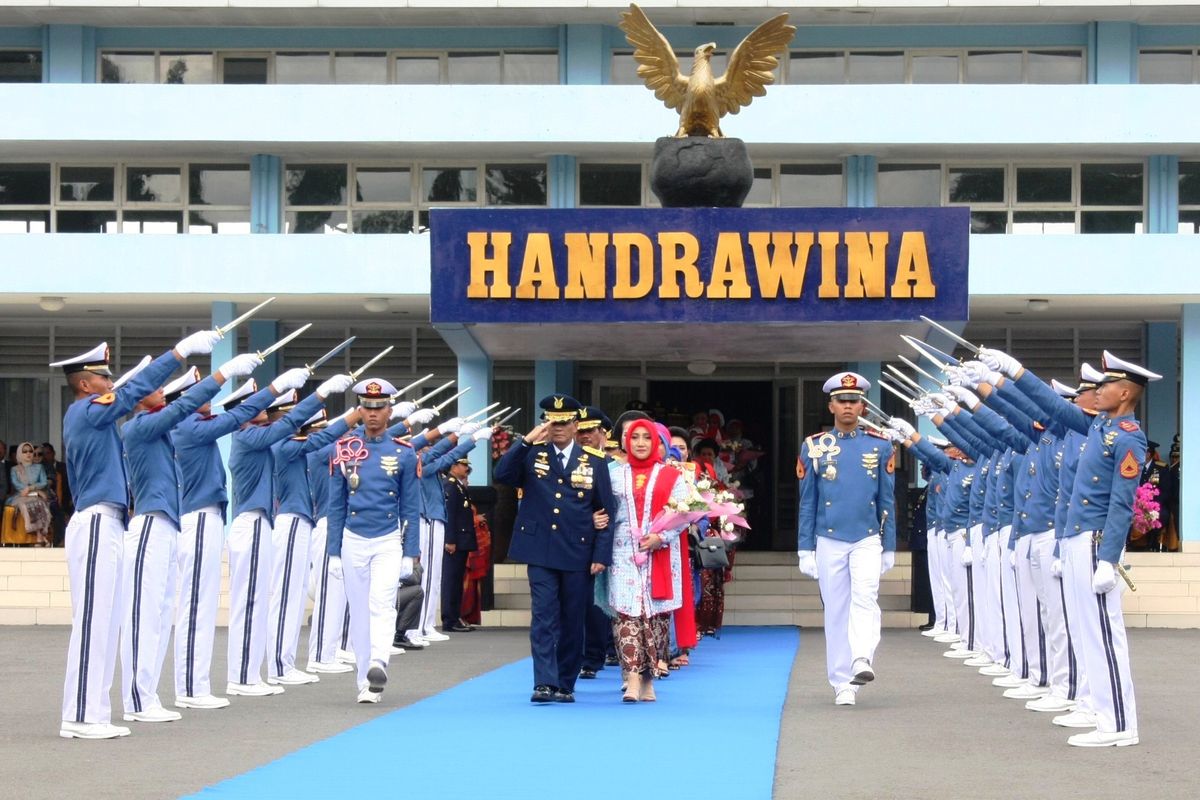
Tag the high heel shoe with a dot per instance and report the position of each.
(633, 688)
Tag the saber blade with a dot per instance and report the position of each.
(920, 371)
(508, 416)
(432, 392)
(284, 341)
(226, 328)
(895, 374)
(320, 361)
(451, 399)
(499, 413)
(942, 328)
(373, 361)
(412, 385)
(483, 410)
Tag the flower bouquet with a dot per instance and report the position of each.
(1145, 510)
(502, 439)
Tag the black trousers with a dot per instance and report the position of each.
(408, 608)
(454, 567)
(559, 601)
(922, 594)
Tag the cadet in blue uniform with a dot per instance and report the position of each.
(96, 533)
(150, 540)
(593, 431)
(562, 487)
(1098, 520)
(847, 532)
(374, 513)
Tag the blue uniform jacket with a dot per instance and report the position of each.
(1073, 443)
(250, 458)
(1038, 486)
(847, 485)
(554, 527)
(434, 461)
(200, 465)
(1108, 475)
(933, 501)
(318, 479)
(388, 497)
(91, 444)
(155, 479)
(290, 464)
(975, 449)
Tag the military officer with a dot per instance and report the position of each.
(847, 532)
(554, 533)
(593, 432)
(460, 541)
(95, 535)
(373, 541)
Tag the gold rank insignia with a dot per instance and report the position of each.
(104, 399)
(389, 464)
(1129, 466)
(1110, 438)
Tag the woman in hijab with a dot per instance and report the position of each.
(645, 580)
(30, 493)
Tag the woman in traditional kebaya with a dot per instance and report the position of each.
(645, 580)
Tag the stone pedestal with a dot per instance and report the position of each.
(698, 172)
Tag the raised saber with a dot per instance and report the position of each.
(487, 422)
(943, 329)
(871, 425)
(432, 392)
(939, 357)
(908, 394)
(451, 399)
(483, 410)
(227, 327)
(413, 385)
(264, 353)
(908, 382)
(920, 371)
(374, 360)
(312, 369)
(888, 386)
(508, 416)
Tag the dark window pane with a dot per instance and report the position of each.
(1054, 66)
(26, 184)
(876, 67)
(422, 220)
(206, 221)
(531, 68)
(78, 184)
(1043, 222)
(474, 68)
(315, 184)
(332, 221)
(1169, 66)
(761, 192)
(86, 221)
(909, 185)
(418, 70)
(20, 66)
(306, 68)
(449, 184)
(976, 184)
(127, 68)
(219, 184)
(988, 221)
(12, 221)
(251, 70)
(152, 222)
(1189, 221)
(153, 185)
(516, 184)
(383, 185)
(1043, 184)
(934, 69)
(993, 67)
(1110, 184)
(623, 69)
(610, 184)
(1111, 222)
(185, 68)
(817, 68)
(1189, 183)
(382, 221)
(812, 185)
(360, 68)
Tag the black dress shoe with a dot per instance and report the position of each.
(458, 628)
(543, 694)
(564, 696)
(587, 674)
(927, 626)
(407, 644)
(611, 661)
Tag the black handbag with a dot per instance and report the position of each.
(710, 552)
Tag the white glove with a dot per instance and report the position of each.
(292, 379)
(980, 373)
(983, 554)
(889, 561)
(902, 426)
(957, 376)
(967, 560)
(240, 366)
(483, 434)
(1000, 361)
(450, 426)
(964, 396)
(1056, 568)
(422, 416)
(945, 406)
(1104, 580)
(892, 435)
(924, 406)
(403, 409)
(468, 429)
(200, 343)
(808, 562)
(335, 567)
(335, 385)
(406, 567)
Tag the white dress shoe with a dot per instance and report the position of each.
(1051, 703)
(259, 689)
(1076, 719)
(844, 698)
(201, 701)
(952, 653)
(91, 730)
(1101, 739)
(1009, 682)
(947, 638)
(932, 632)
(435, 635)
(863, 673)
(418, 640)
(995, 671)
(376, 679)
(978, 661)
(158, 714)
(1026, 692)
(367, 696)
(293, 677)
(395, 651)
(333, 667)
(345, 657)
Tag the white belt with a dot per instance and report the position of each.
(106, 510)
(213, 509)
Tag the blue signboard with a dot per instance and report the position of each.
(698, 265)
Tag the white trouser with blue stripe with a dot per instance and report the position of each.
(1067, 680)
(433, 552)
(148, 598)
(848, 573)
(371, 568)
(328, 594)
(289, 579)
(249, 596)
(201, 540)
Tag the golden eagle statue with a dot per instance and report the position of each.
(700, 99)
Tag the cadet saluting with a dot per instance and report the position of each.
(847, 535)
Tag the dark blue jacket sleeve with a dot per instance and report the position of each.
(1000, 430)
(1067, 413)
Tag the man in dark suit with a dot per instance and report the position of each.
(5, 466)
(460, 541)
(556, 534)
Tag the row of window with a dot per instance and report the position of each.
(1004, 197)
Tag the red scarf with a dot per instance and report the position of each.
(660, 560)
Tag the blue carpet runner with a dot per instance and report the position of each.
(714, 730)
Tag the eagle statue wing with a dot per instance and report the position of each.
(657, 66)
(751, 67)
